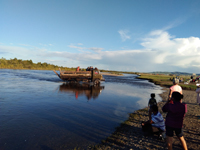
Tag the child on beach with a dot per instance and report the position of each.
(156, 124)
(152, 101)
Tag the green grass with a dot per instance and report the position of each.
(166, 80)
(28, 64)
(117, 73)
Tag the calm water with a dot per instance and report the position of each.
(39, 111)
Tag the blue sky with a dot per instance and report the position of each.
(130, 35)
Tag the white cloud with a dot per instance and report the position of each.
(77, 47)
(188, 46)
(176, 22)
(45, 44)
(161, 52)
(123, 34)
(158, 39)
(73, 56)
(21, 52)
(180, 52)
(96, 49)
(24, 45)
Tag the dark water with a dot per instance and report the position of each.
(39, 111)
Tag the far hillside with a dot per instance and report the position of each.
(28, 64)
(175, 73)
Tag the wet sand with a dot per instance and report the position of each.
(130, 136)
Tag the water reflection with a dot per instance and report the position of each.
(90, 91)
(38, 111)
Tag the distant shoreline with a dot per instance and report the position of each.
(111, 74)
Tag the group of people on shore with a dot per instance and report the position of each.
(175, 110)
(195, 79)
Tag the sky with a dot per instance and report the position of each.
(121, 35)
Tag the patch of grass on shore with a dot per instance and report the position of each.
(117, 73)
(166, 80)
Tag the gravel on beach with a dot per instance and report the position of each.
(129, 135)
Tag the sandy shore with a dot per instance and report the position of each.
(129, 135)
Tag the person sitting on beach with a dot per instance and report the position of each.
(152, 101)
(156, 124)
(174, 88)
(174, 119)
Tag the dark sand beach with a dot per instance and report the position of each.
(130, 136)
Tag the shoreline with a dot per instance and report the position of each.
(110, 74)
(129, 134)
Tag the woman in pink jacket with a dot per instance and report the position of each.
(175, 88)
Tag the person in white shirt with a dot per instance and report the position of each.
(156, 124)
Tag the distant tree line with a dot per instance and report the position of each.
(28, 64)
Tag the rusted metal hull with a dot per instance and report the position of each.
(76, 76)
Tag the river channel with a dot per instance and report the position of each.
(39, 111)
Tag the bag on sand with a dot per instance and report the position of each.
(146, 127)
